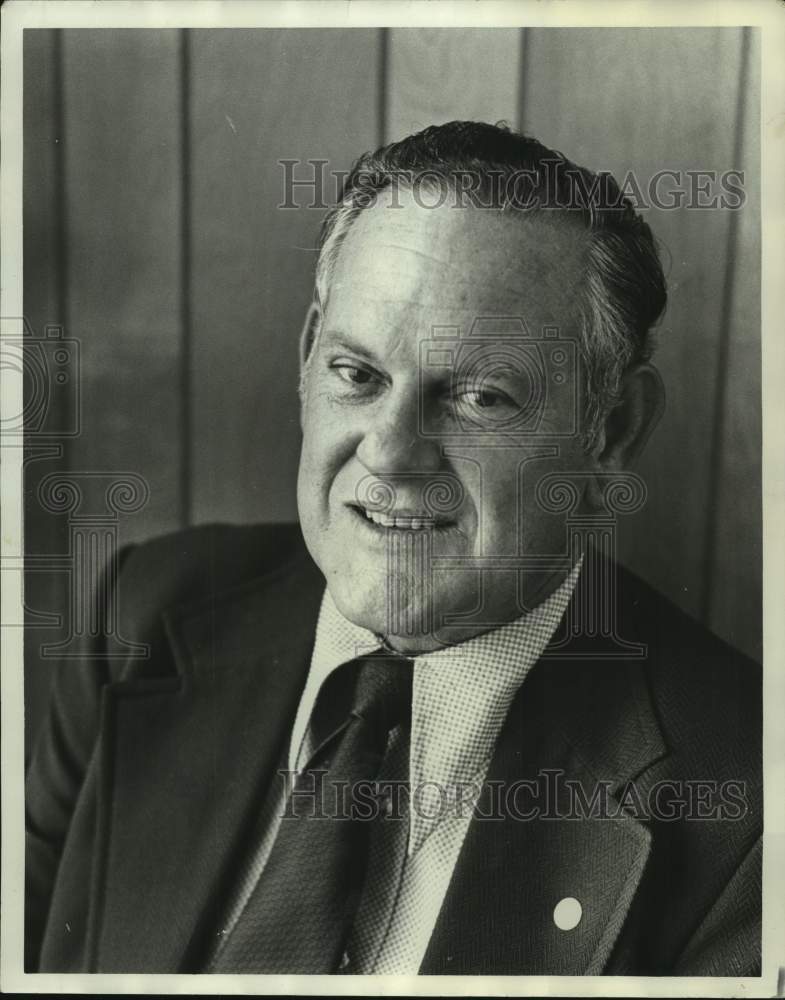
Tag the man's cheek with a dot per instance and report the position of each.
(497, 515)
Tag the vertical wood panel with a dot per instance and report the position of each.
(42, 147)
(735, 580)
(122, 160)
(258, 97)
(45, 533)
(582, 95)
(437, 75)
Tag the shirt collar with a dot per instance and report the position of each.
(461, 696)
(491, 665)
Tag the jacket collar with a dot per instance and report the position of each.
(583, 723)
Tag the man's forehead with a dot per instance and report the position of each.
(462, 257)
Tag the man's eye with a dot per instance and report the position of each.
(484, 399)
(352, 374)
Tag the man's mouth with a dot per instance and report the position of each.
(399, 520)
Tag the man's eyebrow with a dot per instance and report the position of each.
(338, 338)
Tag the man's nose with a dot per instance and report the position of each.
(394, 441)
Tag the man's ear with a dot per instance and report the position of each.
(309, 332)
(629, 424)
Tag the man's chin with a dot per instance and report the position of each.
(408, 630)
(404, 628)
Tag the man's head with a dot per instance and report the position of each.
(481, 319)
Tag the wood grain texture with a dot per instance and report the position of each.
(581, 94)
(122, 176)
(437, 75)
(258, 97)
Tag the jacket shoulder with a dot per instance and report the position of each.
(676, 642)
(191, 563)
(708, 694)
(199, 564)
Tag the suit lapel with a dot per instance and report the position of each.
(187, 763)
(577, 726)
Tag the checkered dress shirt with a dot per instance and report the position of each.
(461, 695)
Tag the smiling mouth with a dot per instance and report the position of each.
(399, 521)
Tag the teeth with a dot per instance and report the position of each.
(389, 521)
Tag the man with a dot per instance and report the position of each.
(483, 747)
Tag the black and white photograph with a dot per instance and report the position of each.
(393, 498)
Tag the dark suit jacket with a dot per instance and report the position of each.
(148, 774)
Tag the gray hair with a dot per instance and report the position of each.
(623, 293)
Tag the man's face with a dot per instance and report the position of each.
(405, 390)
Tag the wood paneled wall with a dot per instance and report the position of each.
(153, 235)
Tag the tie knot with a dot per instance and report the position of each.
(383, 695)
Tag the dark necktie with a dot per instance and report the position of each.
(300, 913)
